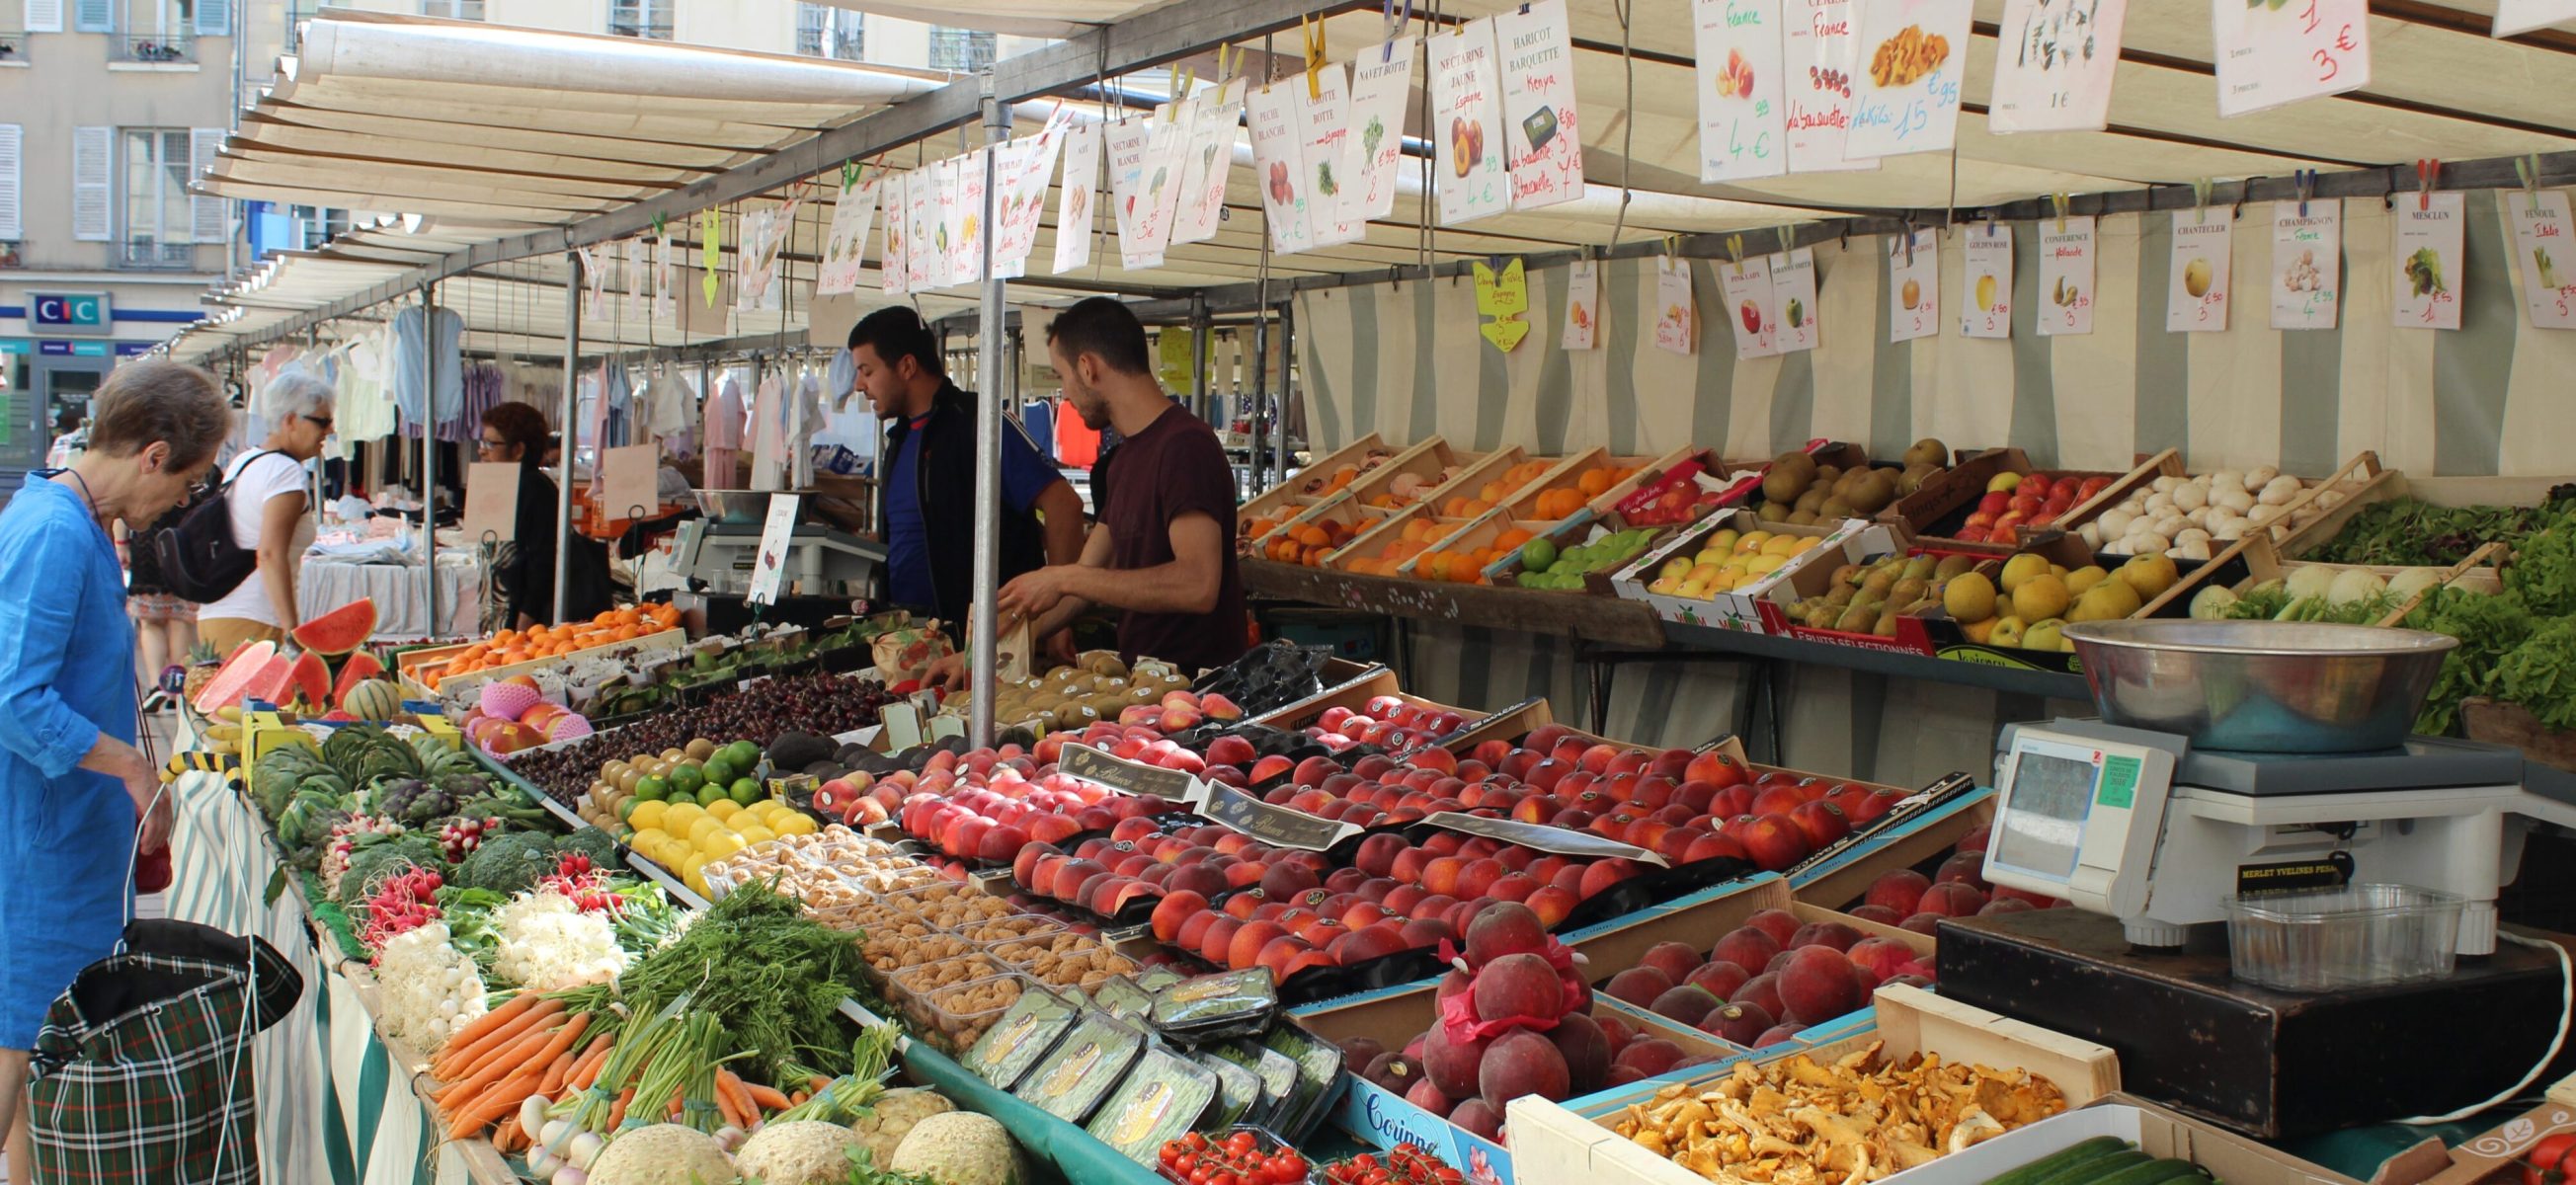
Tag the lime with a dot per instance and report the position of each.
(717, 772)
(1537, 554)
(711, 794)
(626, 809)
(746, 790)
(687, 776)
(652, 789)
(742, 756)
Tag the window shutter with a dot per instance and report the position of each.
(44, 16)
(93, 16)
(93, 167)
(214, 18)
(206, 213)
(11, 138)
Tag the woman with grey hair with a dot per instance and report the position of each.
(269, 514)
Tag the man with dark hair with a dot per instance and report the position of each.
(1164, 549)
(926, 491)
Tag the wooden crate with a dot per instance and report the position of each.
(2164, 464)
(1479, 532)
(1309, 481)
(1388, 529)
(1928, 511)
(1428, 460)
(415, 666)
(1554, 1143)
(2361, 481)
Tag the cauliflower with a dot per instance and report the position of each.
(799, 1152)
(957, 1148)
(892, 1117)
(430, 987)
(663, 1154)
(547, 943)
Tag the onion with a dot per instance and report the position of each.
(570, 1175)
(585, 1148)
(542, 1162)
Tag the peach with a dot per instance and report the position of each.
(1899, 890)
(1833, 934)
(1819, 984)
(1684, 1003)
(1718, 978)
(1648, 1056)
(1449, 1064)
(1954, 899)
(1674, 959)
(1742, 1024)
(1522, 1062)
(1638, 985)
(1506, 929)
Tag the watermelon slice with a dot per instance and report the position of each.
(273, 681)
(225, 689)
(360, 667)
(339, 631)
(312, 679)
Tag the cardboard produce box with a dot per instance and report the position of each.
(1849, 541)
(1558, 1143)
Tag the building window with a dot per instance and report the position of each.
(648, 19)
(454, 10)
(964, 50)
(823, 31)
(316, 226)
(158, 225)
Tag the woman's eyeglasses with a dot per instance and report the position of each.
(493, 446)
(322, 422)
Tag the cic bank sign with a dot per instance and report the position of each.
(70, 312)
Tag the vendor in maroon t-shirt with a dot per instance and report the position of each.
(1164, 547)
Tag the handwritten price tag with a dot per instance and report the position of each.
(1913, 57)
(1819, 54)
(2430, 266)
(2196, 290)
(2053, 65)
(2307, 264)
(1540, 128)
(1913, 286)
(1750, 307)
(2065, 277)
(2544, 245)
(2272, 52)
(1743, 127)
(1985, 299)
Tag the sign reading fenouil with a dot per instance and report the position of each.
(71, 312)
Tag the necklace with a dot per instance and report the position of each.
(87, 498)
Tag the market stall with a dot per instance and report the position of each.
(401, 597)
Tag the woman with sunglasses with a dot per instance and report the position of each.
(270, 515)
(516, 433)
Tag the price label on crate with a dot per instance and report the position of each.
(1277, 826)
(1127, 777)
(1559, 841)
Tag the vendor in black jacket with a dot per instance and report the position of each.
(926, 491)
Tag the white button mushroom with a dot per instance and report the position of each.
(2115, 522)
(2263, 514)
(2149, 543)
(2190, 496)
(2235, 500)
(2261, 475)
(2279, 491)
(2159, 503)
(2191, 550)
(2091, 534)
(2165, 485)
(2226, 479)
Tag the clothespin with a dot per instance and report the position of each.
(1314, 33)
(2059, 200)
(2306, 181)
(1909, 244)
(2244, 190)
(1734, 247)
(2200, 200)
(661, 223)
(850, 173)
(2528, 168)
(1189, 78)
(1788, 239)
(1394, 25)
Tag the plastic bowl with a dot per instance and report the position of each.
(2333, 939)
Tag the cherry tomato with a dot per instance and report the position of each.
(2552, 1152)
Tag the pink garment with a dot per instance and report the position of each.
(724, 417)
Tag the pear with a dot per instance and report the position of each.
(1928, 451)
(1858, 619)
(1953, 566)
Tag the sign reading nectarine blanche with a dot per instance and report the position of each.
(1914, 55)
(1819, 53)
(1144, 179)
(1073, 209)
(1544, 139)
(1277, 826)
(1913, 285)
(1743, 122)
(2196, 294)
(1277, 162)
(1677, 314)
(1750, 311)
(1793, 299)
(2541, 234)
(2053, 65)
(1985, 284)
(1324, 130)
(2065, 276)
(1126, 777)
(2431, 232)
(2307, 263)
(1466, 115)
(1381, 81)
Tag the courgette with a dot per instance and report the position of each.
(2156, 1172)
(2094, 1168)
(2086, 1152)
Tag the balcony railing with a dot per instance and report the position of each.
(648, 32)
(146, 255)
(156, 48)
(844, 45)
(9, 256)
(13, 45)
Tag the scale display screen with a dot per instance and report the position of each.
(2042, 825)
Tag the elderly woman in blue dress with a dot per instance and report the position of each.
(74, 791)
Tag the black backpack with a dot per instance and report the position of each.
(198, 558)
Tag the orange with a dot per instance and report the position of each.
(1511, 537)
(1596, 482)
(1474, 508)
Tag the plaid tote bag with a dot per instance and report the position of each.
(143, 1067)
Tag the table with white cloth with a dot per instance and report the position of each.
(401, 595)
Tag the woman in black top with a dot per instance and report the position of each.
(526, 572)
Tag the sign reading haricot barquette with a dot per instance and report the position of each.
(1913, 285)
(1381, 81)
(2065, 276)
(1743, 119)
(1075, 205)
(1913, 59)
(1541, 132)
(2196, 290)
(2307, 264)
(1278, 161)
(2544, 248)
(1324, 129)
(2272, 52)
(2053, 65)
(1466, 125)
(2431, 233)
(1986, 281)
(1749, 308)
(1793, 298)
(1819, 54)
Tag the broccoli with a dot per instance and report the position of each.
(507, 863)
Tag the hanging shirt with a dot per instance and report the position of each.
(1039, 418)
(413, 346)
(671, 407)
(769, 434)
(364, 410)
(1077, 445)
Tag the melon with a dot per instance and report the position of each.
(375, 699)
(225, 689)
(356, 669)
(311, 678)
(339, 631)
(274, 680)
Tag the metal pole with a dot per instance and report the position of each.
(988, 441)
(1199, 359)
(571, 431)
(429, 448)
(1287, 390)
(1262, 479)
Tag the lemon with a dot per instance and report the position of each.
(673, 853)
(702, 827)
(797, 825)
(697, 883)
(649, 839)
(680, 814)
(1780, 545)
(720, 844)
(755, 835)
(722, 808)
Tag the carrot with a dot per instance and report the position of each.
(798, 1099)
(765, 1097)
(521, 1059)
(553, 1081)
(478, 1034)
(818, 1084)
(495, 1103)
(539, 1016)
(617, 1114)
(725, 1108)
(586, 1071)
(495, 1066)
(547, 1022)
(508, 1137)
(744, 1102)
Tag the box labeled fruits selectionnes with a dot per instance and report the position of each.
(1580, 1141)
(1739, 607)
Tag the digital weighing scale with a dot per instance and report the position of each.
(717, 556)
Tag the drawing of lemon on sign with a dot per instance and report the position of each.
(1986, 293)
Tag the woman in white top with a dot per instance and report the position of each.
(269, 513)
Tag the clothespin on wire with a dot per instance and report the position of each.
(850, 172)
(1909, 234)
(2244, 190)
(2425, 171)
(1734, 247)
(1788, 239)
(2059, 200)
(2306, 181)
(1394, 24)
(2200, 200)
(2528, 168)
(1314, 33)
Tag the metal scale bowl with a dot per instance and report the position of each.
(2233, 758)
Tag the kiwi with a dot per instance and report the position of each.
(1803, 518)
(1815, 497)
(1836, 508)
(1829, 474)
(1783, 485)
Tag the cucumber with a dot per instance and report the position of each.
(2095, 1167)
(2037, 1171)
(2156, 1172)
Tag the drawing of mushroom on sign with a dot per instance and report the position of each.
(1543, 135)
(2307, 263)
(1905, 96)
